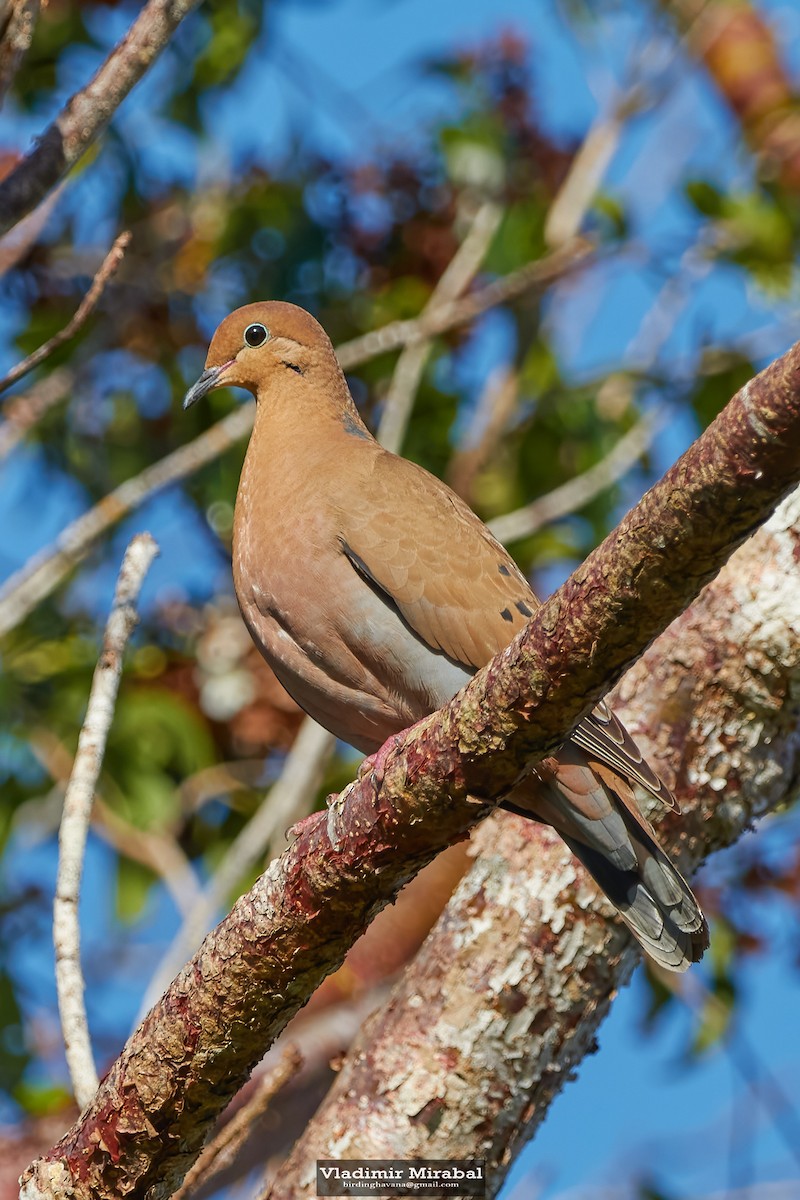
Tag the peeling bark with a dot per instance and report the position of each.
(200, 1042)
(507, 993)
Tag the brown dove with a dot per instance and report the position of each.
(374, 593)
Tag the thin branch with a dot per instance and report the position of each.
(82, 313)
(77, 813)
(222, 1150)
(577, 492)
(16, 244)
(86, 114)
(495, 405)
(21, 413)
(221, 778)
(456, 279)
(642, 353)
(254, 971)
(454, 313)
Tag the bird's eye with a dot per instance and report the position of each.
(256, 335)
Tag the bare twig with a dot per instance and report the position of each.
(16, 31)
(456, 279)
(77, 812)
(42, 574)
(460, 312)
(576, 492)
(109, 266)
(220, 778)
(222, 1149)
(16, 244)
(21, 413)
(588, 168)
(496, 403)
(86, 114)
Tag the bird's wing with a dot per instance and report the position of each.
(454, 585)
(459, 590)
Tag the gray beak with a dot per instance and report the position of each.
(205, 384)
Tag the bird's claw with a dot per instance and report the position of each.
(375, 764)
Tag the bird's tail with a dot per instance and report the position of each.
(653, 899)
(597, 816)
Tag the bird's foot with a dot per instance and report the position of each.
(375, 764)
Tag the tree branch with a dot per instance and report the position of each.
(260, 965)
(21, 413)
(573, 494)
(86, 114)
(461, 311)
(408, 370)
(84, 310)
(223, 1149)
(77, 814)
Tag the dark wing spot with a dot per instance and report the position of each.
(503, 569)
(506, 614)
(523, 609)
(293, 366)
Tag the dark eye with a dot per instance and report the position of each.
(256, 335)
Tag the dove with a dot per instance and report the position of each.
(375, 593)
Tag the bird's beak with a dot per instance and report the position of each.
(210, 379)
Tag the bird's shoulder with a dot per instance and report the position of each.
(453, 582)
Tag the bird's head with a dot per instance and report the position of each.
(260, 344)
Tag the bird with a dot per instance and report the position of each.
(375, 593)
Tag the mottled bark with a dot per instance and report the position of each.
(506, 995)
(199, 1043)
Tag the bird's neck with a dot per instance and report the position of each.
(306, 432)
(314, 409)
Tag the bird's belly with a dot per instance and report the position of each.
(356, 667)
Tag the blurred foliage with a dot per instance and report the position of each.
(361, 240)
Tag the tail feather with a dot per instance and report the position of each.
(654, 902)
(595, 812)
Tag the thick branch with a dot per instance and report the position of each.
(515, 979)
(86, 114)
(261, 964)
